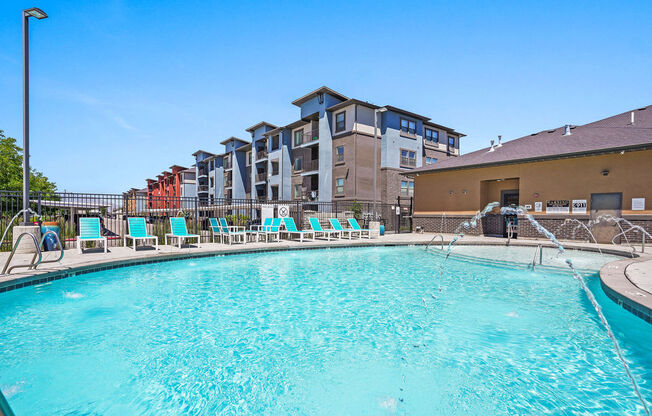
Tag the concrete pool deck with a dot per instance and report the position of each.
(628, 282)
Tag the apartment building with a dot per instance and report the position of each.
(170, 187)
(328, 153)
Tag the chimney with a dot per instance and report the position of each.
(632, 116)
(499, 139)
(567, 130)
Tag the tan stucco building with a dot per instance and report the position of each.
(579, 172)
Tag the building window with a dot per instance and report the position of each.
(340, 121)
(411, 189)
(407, 188)
(432, 135)
(340, 153)
(298, 163)
(275, 142)
(275, 193)
(339, 185)
(408, 126)
(298, 137)
(297, 191)
(275, 166)
(248, 158)
(408, 158)
(433, 160)
(427, 161)
(451, 142)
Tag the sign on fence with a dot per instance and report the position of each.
(283, 211)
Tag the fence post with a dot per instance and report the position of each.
(398, 216)
(39, 204)
(196, 215)
(411, 213)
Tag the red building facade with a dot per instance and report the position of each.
(164, 192)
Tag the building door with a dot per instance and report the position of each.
(604, 206)
(509, 198)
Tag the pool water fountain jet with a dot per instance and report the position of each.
(623, 232)
(579, 225)
(587, 291)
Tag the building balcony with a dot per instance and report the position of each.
(261, 154)
(311, 137)
(202, 189)
(261, 177)
(203, 172)
(228, 164)
(311, 195)
(228, 183)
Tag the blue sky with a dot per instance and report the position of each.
(121, 90)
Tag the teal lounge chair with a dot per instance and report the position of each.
(138, 231)
(291, 229)
(216, 230)
(354, 224)
(257, 230)
(335, 223)
(89, 230)
(180, 232)
(232, 232)
(273, 231)
(316, 227)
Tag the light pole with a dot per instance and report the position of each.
(376, 111)
(39, 14)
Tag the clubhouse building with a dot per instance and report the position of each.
(571, 172)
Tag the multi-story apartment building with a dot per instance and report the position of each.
(170, 187)
(328, 153)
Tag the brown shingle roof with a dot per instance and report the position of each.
(610, 134)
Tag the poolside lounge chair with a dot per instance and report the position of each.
(216, 230)
(273, 231)
(291, 229)
(354, 224)
(138, 231)
(180, 232)
(316, 227)
(232, 232)
(335, 223)
(260, 229)
(89, 230)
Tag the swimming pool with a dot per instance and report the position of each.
(339, 331)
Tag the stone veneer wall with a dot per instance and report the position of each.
(555, 224)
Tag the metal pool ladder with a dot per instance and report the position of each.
(441, 243)
(539, 250)
(34, 262)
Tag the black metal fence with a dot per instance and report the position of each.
(64, 210)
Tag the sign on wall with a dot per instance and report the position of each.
(528, 206)
(283, 211)
(558, 206)
(579, 206)
(638, 204)
(538, 206)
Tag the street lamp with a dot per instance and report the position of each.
(376, 111)
(39, 14)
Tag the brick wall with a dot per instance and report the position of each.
(555, 224)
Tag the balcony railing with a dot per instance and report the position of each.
(261, 154)
(307, 137)
(202, 188)
(260, 177)
(202, 172)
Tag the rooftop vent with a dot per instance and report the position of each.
(499, 139)
(632, 118)
(491, 149)
(567, 130)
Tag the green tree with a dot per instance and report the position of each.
(11, 169)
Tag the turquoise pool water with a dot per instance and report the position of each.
(369, 331)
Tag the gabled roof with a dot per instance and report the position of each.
(314, 93)
(261, 124)
(225, 141)
(203, 151)
(609, 135)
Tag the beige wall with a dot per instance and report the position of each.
(568, 179)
